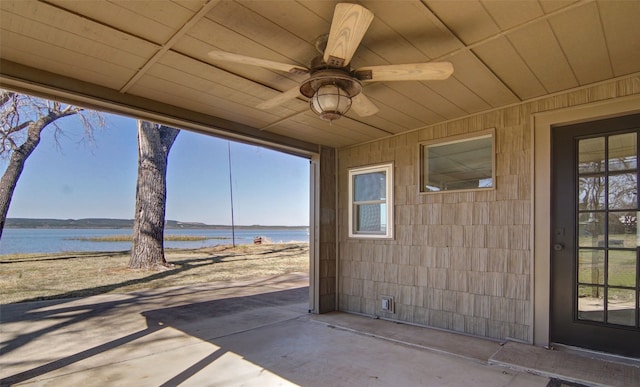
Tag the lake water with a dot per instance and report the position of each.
(23, 240)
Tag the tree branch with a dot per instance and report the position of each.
(6, 96)
(20, 127)
(70, 109)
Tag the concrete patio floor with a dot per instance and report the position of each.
(259, 332)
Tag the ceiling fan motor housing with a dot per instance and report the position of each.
(338, 77)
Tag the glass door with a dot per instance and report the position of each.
(595, 259)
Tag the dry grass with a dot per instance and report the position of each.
(51, 276)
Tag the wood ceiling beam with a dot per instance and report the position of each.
(161, 49)
(470, 47)
(500, 34)
(186, 27)
(109, 26)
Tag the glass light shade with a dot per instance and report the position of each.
(330, 102)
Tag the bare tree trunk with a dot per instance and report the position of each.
(154, 144)
(12, 174)
(20, 155)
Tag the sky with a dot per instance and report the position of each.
(75, 179)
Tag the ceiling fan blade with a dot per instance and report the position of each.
(280, 99)
(350, 22)
(363, 106)
(405, 72)
(235, 58)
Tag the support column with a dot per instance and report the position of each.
(328, 207)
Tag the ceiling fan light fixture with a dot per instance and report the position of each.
(330, 92)
(330, 102)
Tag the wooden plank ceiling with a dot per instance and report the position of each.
(503, 52)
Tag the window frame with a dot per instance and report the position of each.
(387, 168)
(452, 140)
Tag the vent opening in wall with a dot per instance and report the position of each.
(386, 304)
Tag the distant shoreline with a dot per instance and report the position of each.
(52, 240)
(106, 223)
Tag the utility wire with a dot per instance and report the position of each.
(233, 230)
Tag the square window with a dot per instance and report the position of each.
(371, 202)
(466, 163)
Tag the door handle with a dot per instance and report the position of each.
(558, 247)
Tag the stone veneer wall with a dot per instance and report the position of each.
(459, 261)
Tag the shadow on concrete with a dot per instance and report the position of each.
(179, 317)
(187, 318)
(63, 362)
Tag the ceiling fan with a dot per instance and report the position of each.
(333, 87)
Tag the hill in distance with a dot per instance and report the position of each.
(119, 223)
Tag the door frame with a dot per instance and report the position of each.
(541, 124)
(314, 234)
